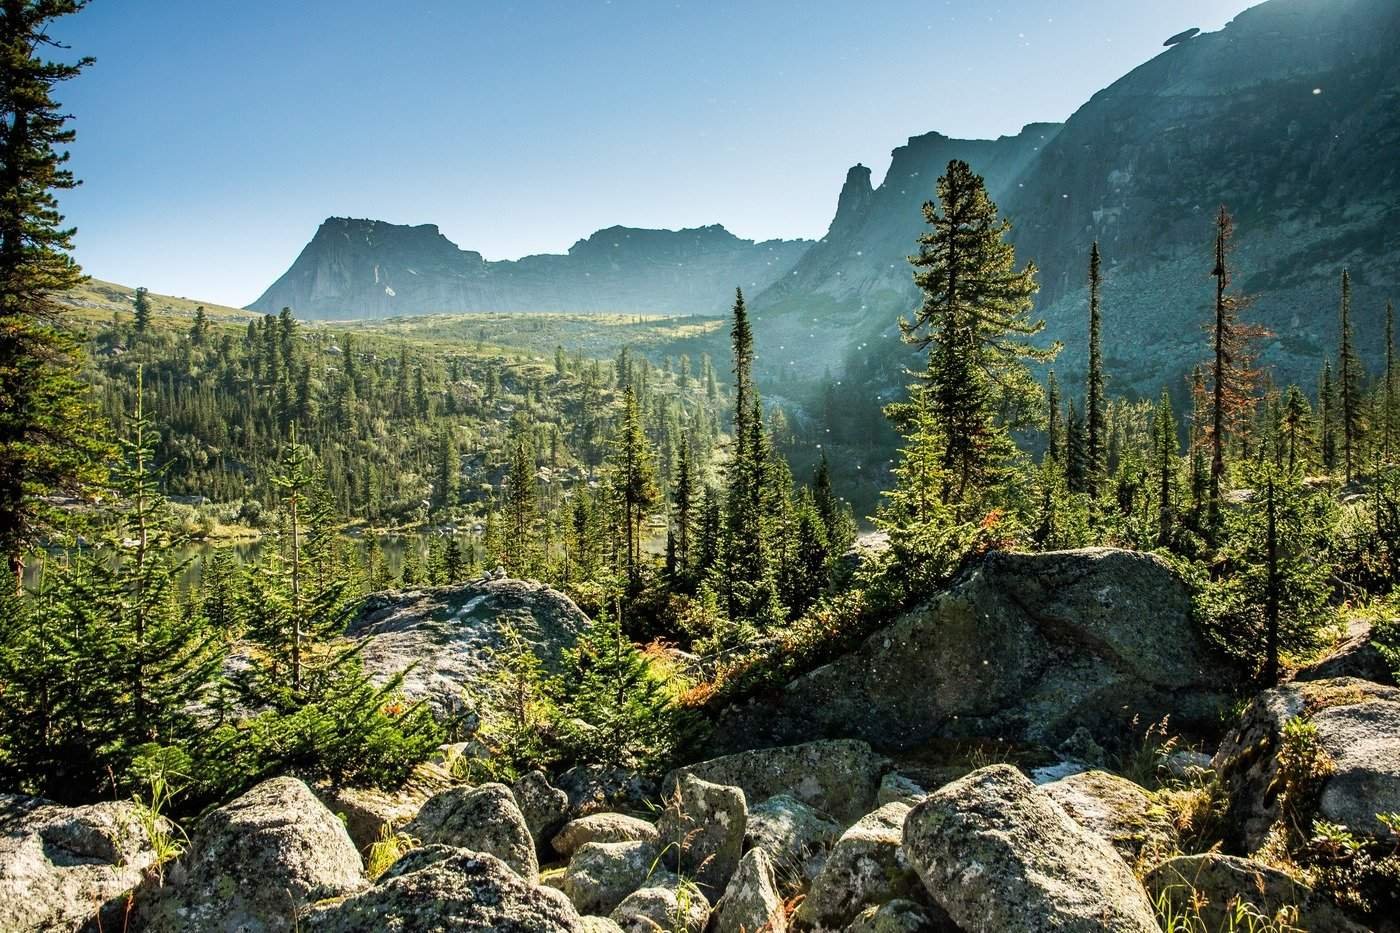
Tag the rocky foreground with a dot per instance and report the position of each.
(828, 834)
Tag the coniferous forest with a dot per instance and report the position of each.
(1010, 556)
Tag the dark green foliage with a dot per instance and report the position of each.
(48, 436)
(1268, 597)
(975, 321)
(1349, 378)
(1096, 464)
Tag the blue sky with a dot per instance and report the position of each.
(215, 135)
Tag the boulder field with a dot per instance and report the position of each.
(858, 831)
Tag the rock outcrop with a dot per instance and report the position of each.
(1025, 647)
(63, 868)
(997, 853)
(1357, 724)
(1355, 656)
(545, 808)
(481, 819)
(255, 864)
(442, 636)
(439, 889)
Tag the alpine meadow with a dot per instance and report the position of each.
(1019, 552)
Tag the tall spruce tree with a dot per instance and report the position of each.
(1327, 423)
(1232, 373)
(975, 322)
(1349, 379)
(141, 308)
(49, 439)
(1054, 429)
(634, 482)
(1389, 399)
(1095, 408)
(1166, 468)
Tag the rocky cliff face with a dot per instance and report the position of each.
(368, 268)
(1288, 116)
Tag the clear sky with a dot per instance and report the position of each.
(215, 135)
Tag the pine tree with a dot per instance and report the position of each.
(48, 436)
(1075, 454)
(141, 322)
(1232, 373)
(445, 488)
(633, 479)
(611, 686)
(199, 331)
(835, 515)
(1166, 468)
(975, 322)
(1296, 424)
(1327, 423)
(517, 706)
(1349, 379)
(522, 509)
(684, 506)
(1095, 410)
(1390, 401)
(1054, 431)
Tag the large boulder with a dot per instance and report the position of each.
(1128, 817)
(601, 874)
(482, 819)
(1024, 647)
(545, 808)
(1357, 724)
(901, 916)
(702, 831)
(439, 889)
(997, 853)
(255, 864)
(1214, 886)
(666, 904)
(605, 789)
(752, 901)
(794, 835)
(866, 866)
(602, 827)
(62, 868)
(840, 777)
(443, 636)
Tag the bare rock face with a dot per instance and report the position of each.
(439, 889)
(867, 866)
(840, 777)
(255, 864)
(997, 853)
(62, 868)
(1215, 884)
(444, 634)
(1358, 726)
(702, 831)
(1125, 815)
(1026, 647)
(481, 819)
